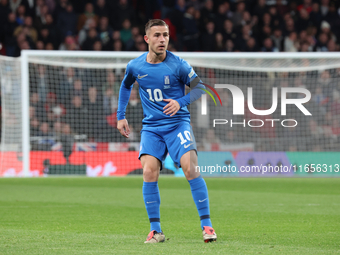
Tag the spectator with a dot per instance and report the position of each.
(291, 43)
(44, 130)
(228, 31)
(9, 39)
(303, 20)
(34, 126)
(4, 11)
(125, 32)
(97, 46)
(49, 46)
(60, 8)
(176, 17)
(40, 83)
(45, 35)
(14, 5)
(51, 5)
(110, 101)
(104, 32)
(238, 14)
(321, 45)
(101, 8)
(50, 25)
(282, 8)
(331, 46)
(230, 46)
(66, 85)
(247, 20)
(95, 112)
(336, 126)
(77, 115)
(190, 32)
(277, 39)
(335, 106)
(207, 12)
(82, 35)
(57, 129)
(140, 44)
(306, 5)
(40, 19)
(67, 141)
(325, 82)
(208, 38)
(118, 45)
(276, 19)
(219, 45)
(91, 38)
(54, 110)
(268, 46)
(78, 89)
(332, 17)
(28, 29)
(242, 39)
(111, 82)
(289, 26)
(122, 11)
(324, 8)
(38, 106)
(211, 141)
(223, 13)
(88, 14)
(21, 14)
(40, 45)
(135, 111)
(67, 22)
(251, 45)
(135, 34)
(315, 15)
(69, 44)
(260, 9)
(326, 28)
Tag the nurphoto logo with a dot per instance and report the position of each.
(238, 105)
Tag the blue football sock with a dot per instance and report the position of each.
(152, 202)
(199, 193)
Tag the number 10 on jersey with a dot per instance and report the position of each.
(157, 95)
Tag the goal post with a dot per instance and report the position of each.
(65, 120)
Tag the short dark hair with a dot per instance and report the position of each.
(155, 22)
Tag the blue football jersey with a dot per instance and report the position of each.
(165, 80)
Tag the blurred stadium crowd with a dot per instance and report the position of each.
(195, 25)
(74, 101)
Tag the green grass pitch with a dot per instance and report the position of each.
(65, 215)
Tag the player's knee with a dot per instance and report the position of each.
(189, 170)
(151, 165)
(150, 173)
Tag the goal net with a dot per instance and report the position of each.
(59, 112)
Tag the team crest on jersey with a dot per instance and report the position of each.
(167, 82)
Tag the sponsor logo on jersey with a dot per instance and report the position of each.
(141, 76)
(167, 87)
(187, 145)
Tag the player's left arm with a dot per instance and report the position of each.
(190, 78)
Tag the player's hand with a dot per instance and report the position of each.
(172, 107)
(123, 127)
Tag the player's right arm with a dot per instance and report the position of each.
(124, 95)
